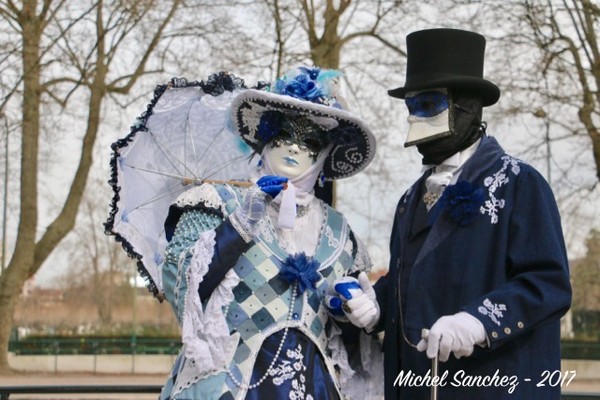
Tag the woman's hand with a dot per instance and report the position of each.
(272, 184)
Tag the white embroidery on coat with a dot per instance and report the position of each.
(494, 311)
(493, 206)
(288, 369)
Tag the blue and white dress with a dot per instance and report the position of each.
(248, 331)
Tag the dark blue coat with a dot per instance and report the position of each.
(505, 263)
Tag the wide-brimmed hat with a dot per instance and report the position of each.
(446, 58)
(311, 93)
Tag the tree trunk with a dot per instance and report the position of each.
(325, 53)
(21, 264)
(29, 255)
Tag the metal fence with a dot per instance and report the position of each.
(157, 345)
(580, 350)
(94, 345)
(6, 391)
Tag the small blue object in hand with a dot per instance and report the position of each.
(335, 305)
(344, 287)
(271, 184)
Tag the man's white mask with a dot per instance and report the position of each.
(429, 116)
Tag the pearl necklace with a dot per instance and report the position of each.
(247, 386)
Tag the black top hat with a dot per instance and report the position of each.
(446, 58)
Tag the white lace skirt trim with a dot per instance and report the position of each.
(362, 386)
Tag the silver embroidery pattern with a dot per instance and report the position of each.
(493, 206)
(332, 241)
(288, 369)
(494, 311)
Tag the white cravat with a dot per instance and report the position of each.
(445, 174)
(435, 185)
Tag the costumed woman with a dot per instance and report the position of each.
(248, 269)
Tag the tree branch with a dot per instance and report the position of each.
(142, 64)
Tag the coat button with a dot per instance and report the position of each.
(507, 330)
(520, 325)
(400, 210)
(495, 335)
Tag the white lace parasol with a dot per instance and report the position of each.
(183, 138)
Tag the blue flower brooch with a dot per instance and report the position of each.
(462, 201)
(301, 270)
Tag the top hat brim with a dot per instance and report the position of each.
(353, 142)
(489, 92)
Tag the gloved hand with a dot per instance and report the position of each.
(360, 304)
(333, 299)
(254, 206)
(458, 333)
(272, 184)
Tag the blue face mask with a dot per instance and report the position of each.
(427, 104)
(429, 116)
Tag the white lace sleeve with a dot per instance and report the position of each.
(205, 334)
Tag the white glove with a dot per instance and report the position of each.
(360, 305)
(458, 333)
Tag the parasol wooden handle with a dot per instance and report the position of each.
(191, 181)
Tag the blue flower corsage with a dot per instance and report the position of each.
(302, 270)
(462, 201)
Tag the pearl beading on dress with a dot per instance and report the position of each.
(247, 386)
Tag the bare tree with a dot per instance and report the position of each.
(545, 56)
(101, 269)
(586, 276)
(567, 34)
(52, 70)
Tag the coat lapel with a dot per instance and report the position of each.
(483, 159)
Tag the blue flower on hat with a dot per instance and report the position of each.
(310, 84)
(302, 270)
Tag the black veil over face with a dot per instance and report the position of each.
(466, 124)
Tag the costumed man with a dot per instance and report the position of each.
(247, 270)
(477, 251)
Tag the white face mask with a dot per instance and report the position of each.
(429, 116)
(288, 159)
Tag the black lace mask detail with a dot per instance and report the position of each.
(280, 129)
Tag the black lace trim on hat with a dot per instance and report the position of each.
(215, 85)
